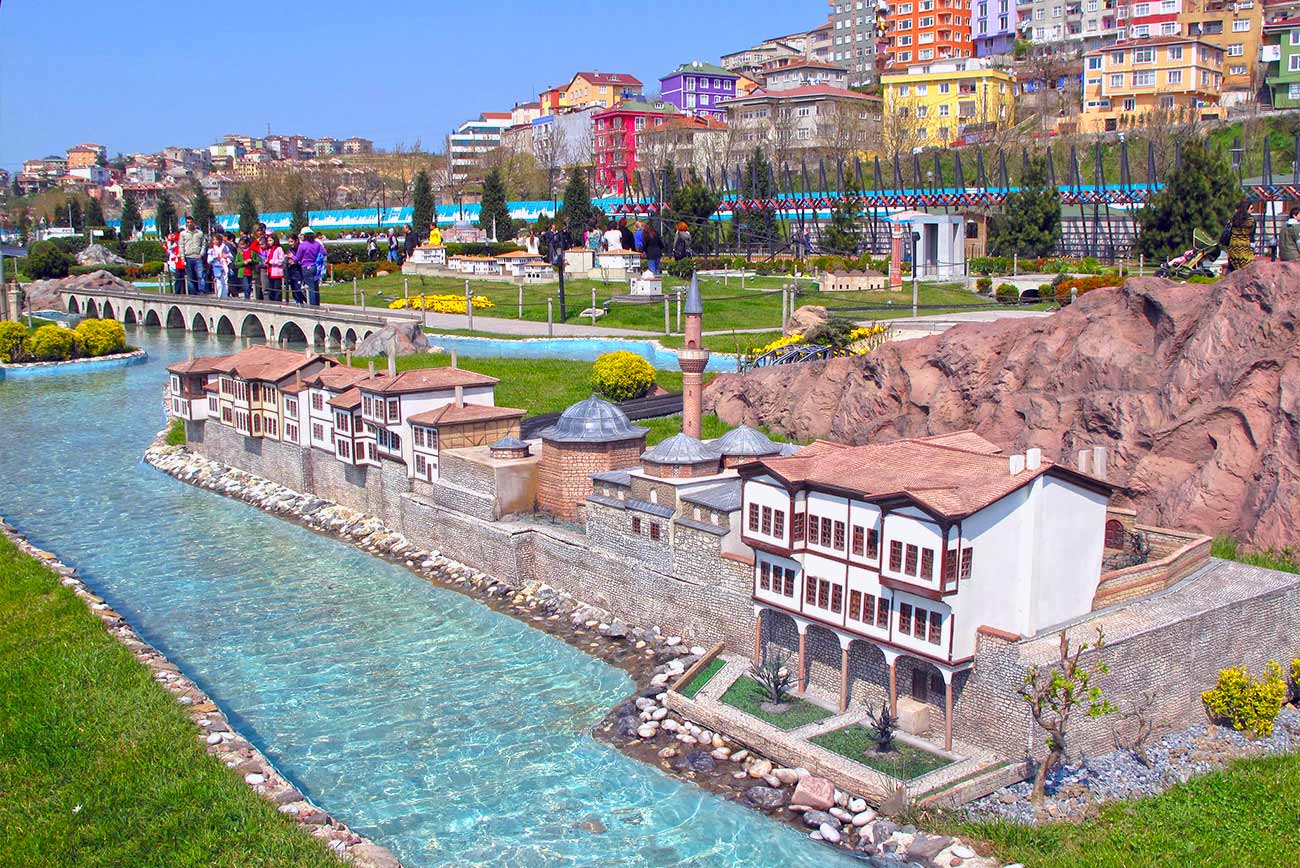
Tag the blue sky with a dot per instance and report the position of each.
(138, 76)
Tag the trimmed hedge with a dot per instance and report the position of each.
(1008, 294)
(622, 375)
(51, 343)
(99, 337)
(13, 338)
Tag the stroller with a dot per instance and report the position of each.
(1194, 262)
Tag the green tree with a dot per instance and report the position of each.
(845, 228)
(23, 221)
(201, 209)
(1200, 193)
(71, 211)
(46, 260)
(1030, 222)
(694, 204)
(247, 210)
(494, 212)
(756, 182)
(298, 219)
(131, 220)
(422, 209)
(95, 213)
(577, 209)
(165, 215)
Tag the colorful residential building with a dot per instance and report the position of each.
(1238, 29)
(913, 548)
(696, 88)
(1146, 18)
(553, 99)
(993, 26)
(852, 26)
(924, 31)
(1130, 80)
(1282, 54)
(803, 120)
(946, 103)
(81, 156)
(805, 73)
(617, 134)
(1068, 26)
(603, 89)
(471, 140)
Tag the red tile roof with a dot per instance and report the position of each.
(338, 378)
(453, 415)
(349, 400)
(427, 380)
(268, 364)
(952, 475)
(607, 78)
(200, 365)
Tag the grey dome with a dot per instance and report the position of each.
(680, 449)
(745, 441)
(788, 449)
(509, 442)
(592, 421)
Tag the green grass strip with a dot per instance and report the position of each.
(746, 695)
(702, 678)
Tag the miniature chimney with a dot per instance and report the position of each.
(1083, 461)
(1017, 464)
(1033, 458)
(1099, 462)
(372, 370)
(392, 363)
(454, 362)
(460, 396)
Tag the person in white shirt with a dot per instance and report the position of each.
(219, 258)
(613, 239)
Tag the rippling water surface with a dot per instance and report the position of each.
(447, 732)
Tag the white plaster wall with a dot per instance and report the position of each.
(996, 594)
(834, 572)
(836, 509)
(910, 528)
(1071, 525)
(773, 496)
(923, 645)
(778, 600)
(867, 517)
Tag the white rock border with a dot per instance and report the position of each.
(214, 730)
(115, 357)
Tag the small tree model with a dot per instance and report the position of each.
(1054, 695)
(576, 210)
(883, 727)
(1200, 193)
(165, 215)
(756, 182)
(1141, 713)
(494, 213)
(130, 217)
(247, 210)
(775, 678)
(298, 219)
(421, 204)
(844, 230)
(693, 203)
(201, 209)
(95, 213)
(1030, 222)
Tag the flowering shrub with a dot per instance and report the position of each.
(1082, 285)
(1250, 705)
(100, 337)
(449, 303)
(622, 375)
(51, 343)
(783, 341)
(13, 337)
(867, 338)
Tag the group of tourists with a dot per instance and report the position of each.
(617, 237)
(256, 265)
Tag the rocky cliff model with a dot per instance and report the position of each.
(45, 294)
(1194, 388)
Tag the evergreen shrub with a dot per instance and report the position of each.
(51, 343)
(45, 260)
(100, 337)
(13, 337)
(622, 375)
(1008, 294)
(1249, 704)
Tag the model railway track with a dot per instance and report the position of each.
(638, 408)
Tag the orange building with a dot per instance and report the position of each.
(923, 31)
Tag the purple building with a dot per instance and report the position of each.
(696, 88)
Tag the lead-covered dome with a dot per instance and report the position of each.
(593, 420)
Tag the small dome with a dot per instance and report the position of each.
(745, 441)
(592, 421)
(509, 442)
(680, 449)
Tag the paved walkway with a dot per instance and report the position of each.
(913, 327)
(529, 328)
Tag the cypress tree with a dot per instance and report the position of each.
(422, 204)
(1200, 193)
(130, 216)
(201, 209)
(165, 215)
(73, 209)
(299, 218)
(844, 229)
(1030, 222)
(494, 207)
(694, 204)
(247, 209)
(758, 227)
(95, 213)
(577, 211)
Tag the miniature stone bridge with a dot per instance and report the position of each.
(324, 327)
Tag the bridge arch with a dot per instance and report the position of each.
(225, 326)
(91, 310)
(73, 305)
(367, 334)
(350, 339)
(175, 319)
(252, 328)
(107, 311)
(129, 317)
(151, 318)
(318, 336)
(199, 323)
(335, 338)
(292, 333)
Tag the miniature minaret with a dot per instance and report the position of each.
(692, 358)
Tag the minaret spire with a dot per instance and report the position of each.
(692, 358)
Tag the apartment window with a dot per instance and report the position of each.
(859, 540)
(1117, 79)
(1169, 28)
(1295, 37)
(1117, 58)
(882, 613)
(966, 556)
(936, 628)
(814, 530)
(922, 111)
(796, 529)
(855, 605)
(753, 516)
(1144, 55)
(944, 110)
(291, 406)
(950, 558)
(367, 407)
(837, 598)
(905, 618)
(1130, 104)
(922, 89)
(1145, 78)
(1240, 25)
(417, 434)
(374, 456)
(1141, 9)
(764, 575)
(636, 529)
(909, 565)
(317, 401)
(927, 563)
(767, 520)
(823, 593)
(903, 90)
(1236, 70)
(1174, 76)
(1056, 11)
(317, 431)
(919, 622)
(345, 449)
(839, 536)
(873, 543)
(1237, 50)
(778, 522)
(291, 432)
(826, 531)
(392, 410)
(1039, 14)
(945, 87)
(927, 21)
(789, 583)
(810, 590)
(1293, 91)
(1175, 52)
(654, 531)
(895, 556)
(421, 467)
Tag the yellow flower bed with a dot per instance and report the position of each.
(867, 338)
(788, 340)
(440, 303)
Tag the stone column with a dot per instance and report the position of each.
(891, 660)
(803, 647)
(15, 310)
(844, 676)
(947, 709)
(758, 637)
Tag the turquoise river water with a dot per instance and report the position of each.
(449, 733)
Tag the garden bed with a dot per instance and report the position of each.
(703, 677)
(903, 761)
(746, 695)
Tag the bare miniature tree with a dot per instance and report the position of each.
(1141, 716)
(775, 678)
(900, 125)
(1055, 694)
(883, 727)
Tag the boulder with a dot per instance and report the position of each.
(805, 319)
(98, 254)
(767, 798)
(1189, 386)
(816, 819)
(814, 792)
(404, 339)
(700, 761)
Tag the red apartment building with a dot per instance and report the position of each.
(923, 31)
(617, 132)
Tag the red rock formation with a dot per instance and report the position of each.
(1195, 389)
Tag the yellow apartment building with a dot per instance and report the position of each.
(1126, 82)
(1238, 29)
(941, 104)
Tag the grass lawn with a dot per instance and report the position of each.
(734, 343)
(99, 767)
(726, 305)
(903, 762)
(176, 433)
(536, 385)
(703, 677)
(1231, 550)
(1242, 817)
(746, 695)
